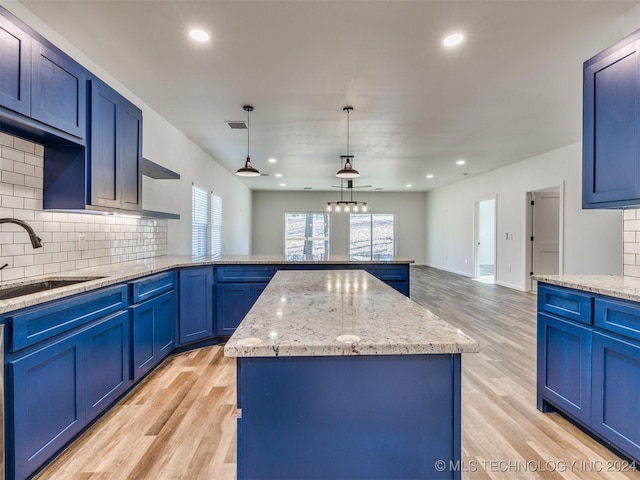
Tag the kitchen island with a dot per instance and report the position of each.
(342, 377)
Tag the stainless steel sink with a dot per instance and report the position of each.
(40, 286)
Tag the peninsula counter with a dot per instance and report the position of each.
(342, 377)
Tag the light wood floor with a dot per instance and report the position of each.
(180, 422)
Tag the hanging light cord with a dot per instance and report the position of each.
(248, 130)
(348, 110)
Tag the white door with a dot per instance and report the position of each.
(546, 233)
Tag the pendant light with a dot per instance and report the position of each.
(247, 170)
(349, 205)
(347, 171)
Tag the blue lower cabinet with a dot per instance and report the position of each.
(46, 404)
(233, 302)
(564, 366)
(195, 321)
(616, 376)
(57, 389)
(153, 332)
(107, 363)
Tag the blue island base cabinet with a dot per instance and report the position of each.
(349, 417)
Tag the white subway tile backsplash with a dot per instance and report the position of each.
(631, 245)
(12, 154)
(24, 145)
(104, 239)
(6, 140)
(13, 178)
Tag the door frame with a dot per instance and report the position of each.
(476, 235)
(528, 281)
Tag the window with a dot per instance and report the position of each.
(371, 235)
(306, 234)
(199, 221)
(216, 225)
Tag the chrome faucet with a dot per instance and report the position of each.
(35, 240)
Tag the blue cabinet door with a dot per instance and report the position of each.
(611, 127)
(15, 68)
(165, 310)
(153, 332)
(616, 376)
(564, 366)
(196, 305)
(47, 399)
(58, 90)
(130, 157)
(114, 149)
(233, 302)
(107, 363)
(103, 145)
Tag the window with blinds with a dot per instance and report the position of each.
(216, 225)
(199, 221)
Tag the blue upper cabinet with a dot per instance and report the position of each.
(15, 68)
(58, 90)
(611, 127)
(115, 149)
(40, 83)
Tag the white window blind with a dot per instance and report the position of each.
(216, 225)
(199, 221)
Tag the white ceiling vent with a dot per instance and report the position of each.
(237, 125)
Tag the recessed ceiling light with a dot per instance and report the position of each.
(278, 175)
(283, 184)
(199, 35)
(430, 175)
(460, 162)
(453, 40)
(409, 185)
(272, 160)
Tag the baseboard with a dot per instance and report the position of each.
(450, 270)
(512, 286)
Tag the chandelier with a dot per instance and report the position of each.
(349, 205)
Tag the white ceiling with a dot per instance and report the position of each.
(511, 91)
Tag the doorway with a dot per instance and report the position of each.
(545, 226)
(485, 254)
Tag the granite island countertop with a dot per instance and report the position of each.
(617, 286)
(340, 312)
(113, 273)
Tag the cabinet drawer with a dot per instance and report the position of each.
(566, 303)
(618, 316)
(34, 325)
(152, 286)
(246, 273)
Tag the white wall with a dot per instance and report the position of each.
(592, 239)
(167, 146)
(269, 209)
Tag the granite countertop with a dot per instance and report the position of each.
(110, 274)
(340, 312)
(612, 285)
